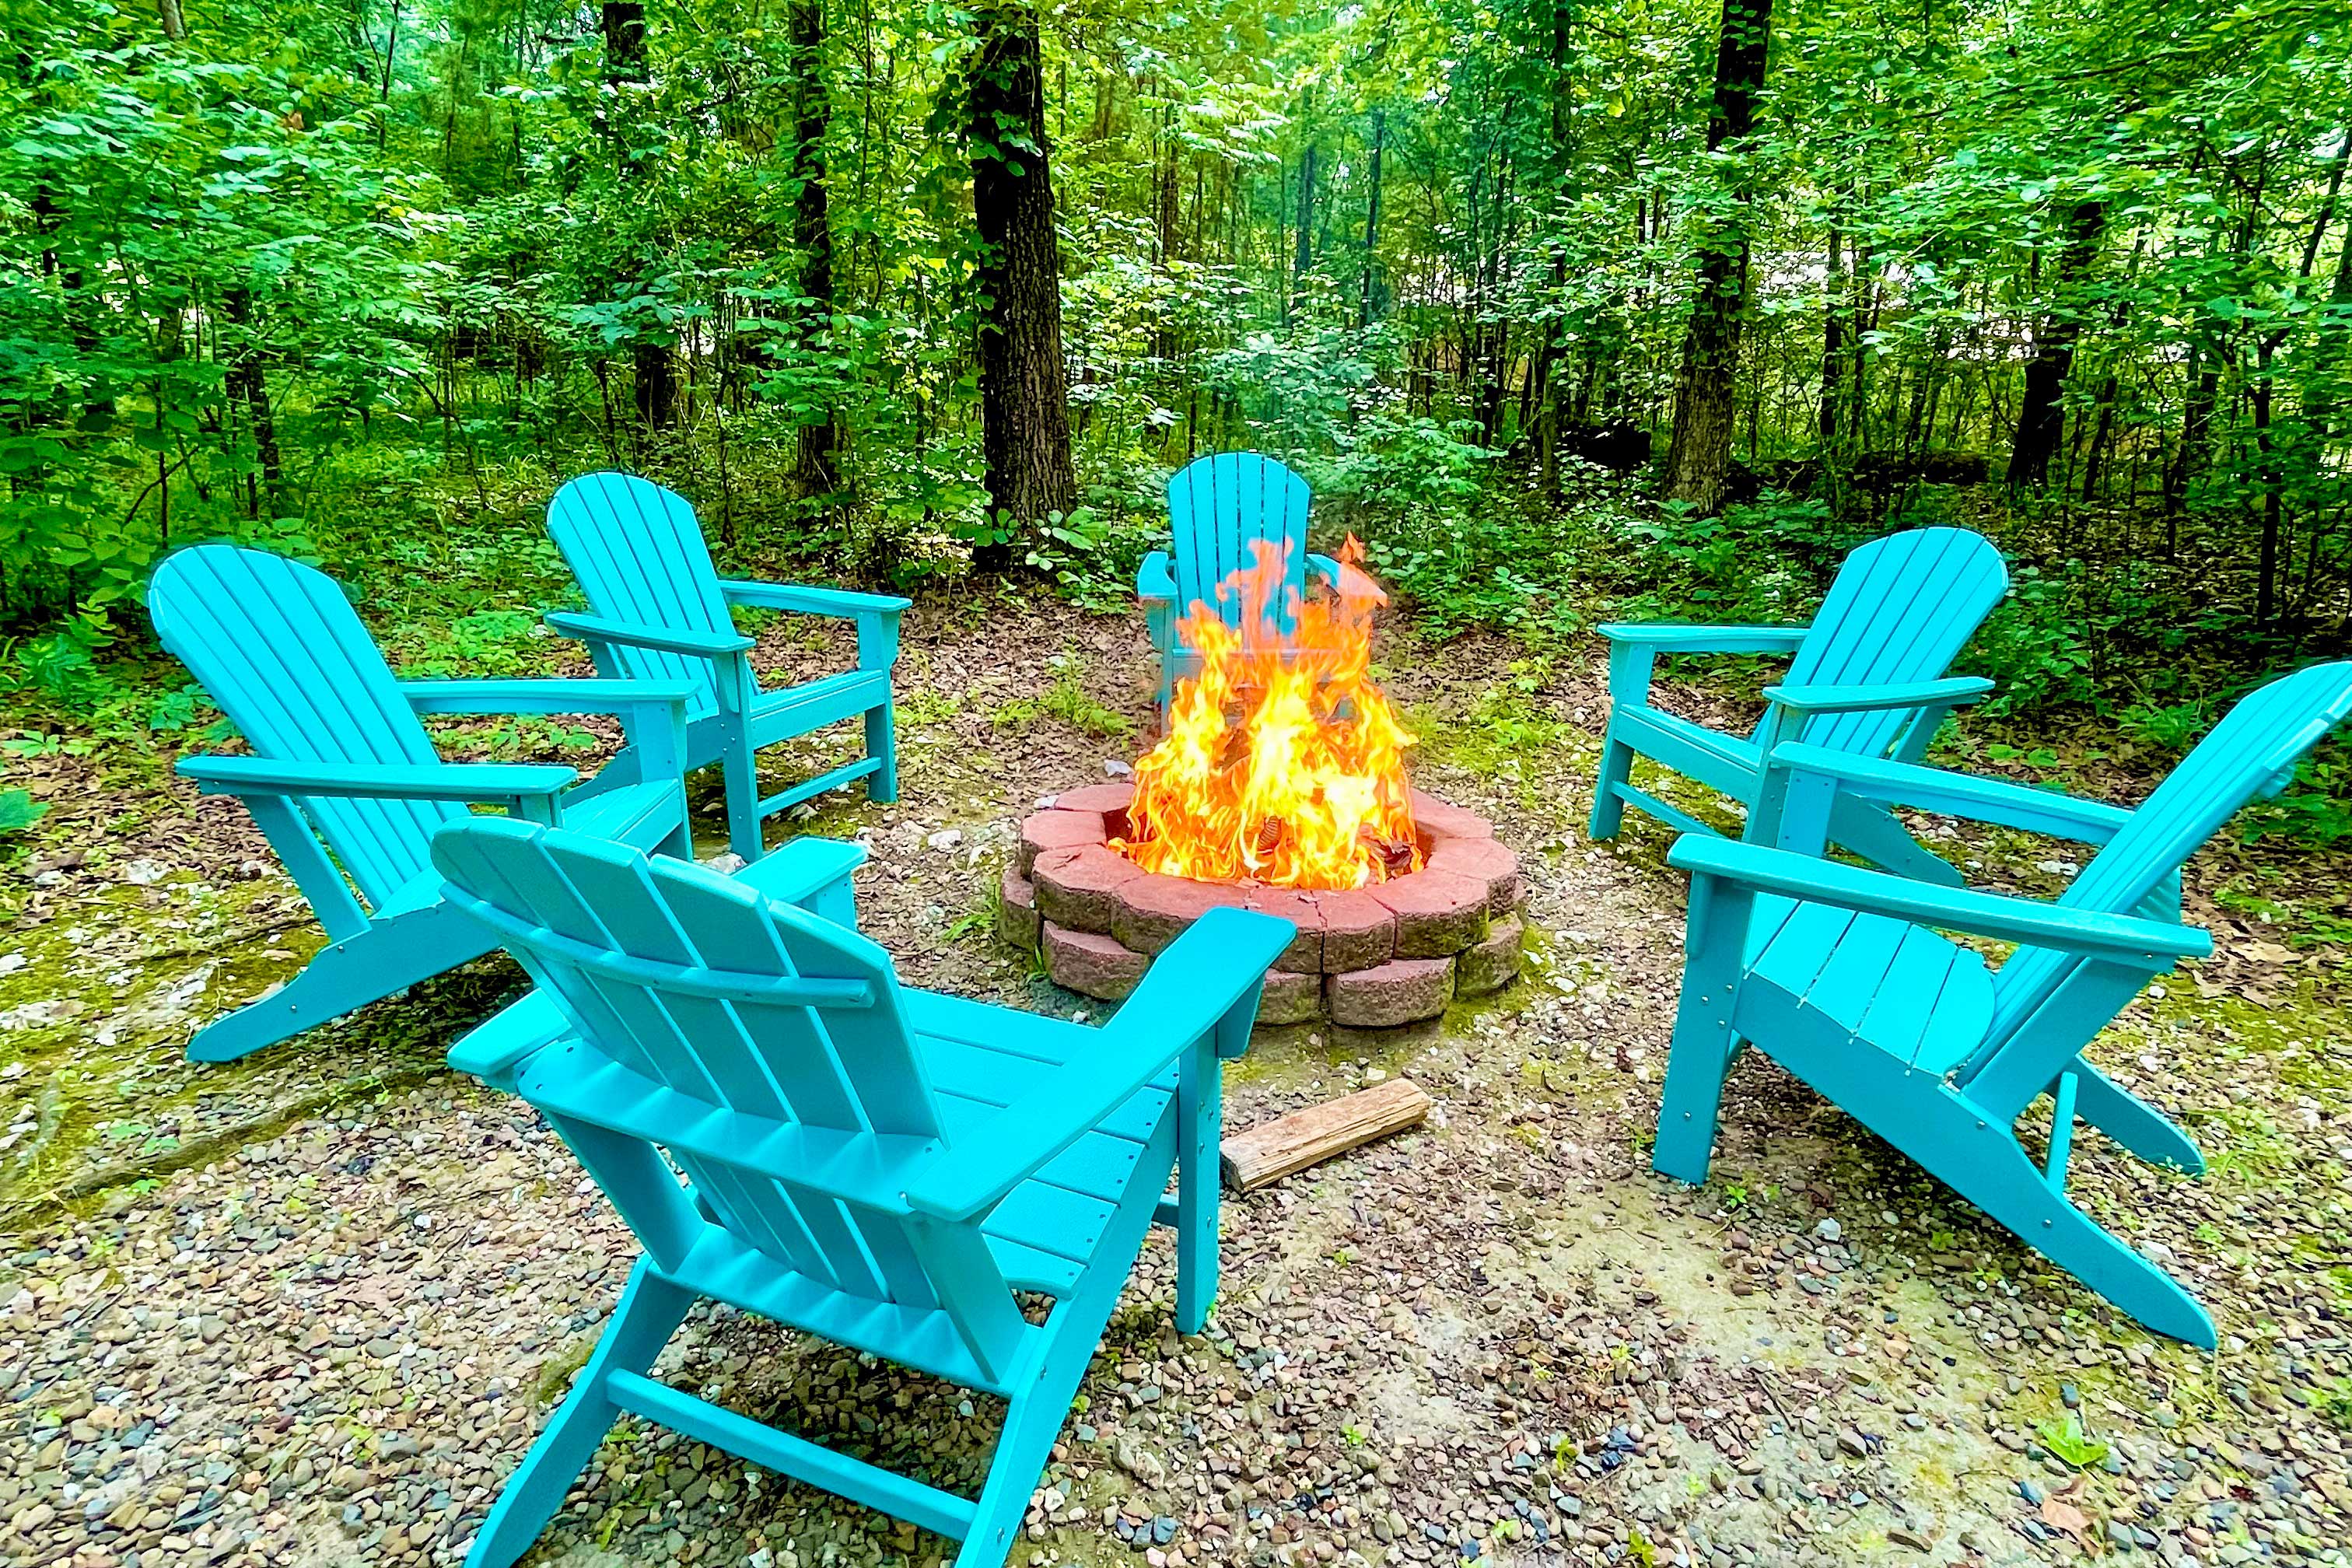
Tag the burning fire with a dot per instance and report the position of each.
(1284, 764)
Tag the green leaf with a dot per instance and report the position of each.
(19, 810)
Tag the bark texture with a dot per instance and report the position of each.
(1023, 385)
(812, 225)
(2041, 415)
(653, 370)
(1698, 454)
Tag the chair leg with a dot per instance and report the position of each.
(882, 742)
(1199, 1119)
(342, 978)
(1033, 1419)
(1035, 1414)
(2131, 1122)
(741, 767)
(1985, 1165)
(1704, 1046)
(651, 1310)
(1699, 1062)
(1977, 1154)
(1608, 805)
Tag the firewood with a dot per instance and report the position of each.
(1273, 1150)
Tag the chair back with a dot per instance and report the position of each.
(692, 991)
(2250, 754)
(638, 553)
(1901, 609)
(1220, 508)
(280, 649)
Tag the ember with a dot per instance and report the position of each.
(1284, 764)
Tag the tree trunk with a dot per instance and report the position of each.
(175, 25)
(654, 370)
(1547, 368)
(1698, 454)
(2196, 431)
(1305, 261)
(2041, 417)
(2269, 566)
(1832, 338)
(1371, 301)
(812, 226)
(247, 383)
(1023, 386)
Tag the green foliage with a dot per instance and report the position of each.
(364, 283)
(1066, 699)
(2315, 811)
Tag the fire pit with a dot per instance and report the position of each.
(1280, 785)
(1369, 957)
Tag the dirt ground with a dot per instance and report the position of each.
(311, 1309)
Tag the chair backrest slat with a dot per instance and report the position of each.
(639, 556)
(1220, 508)
(2252, 753)
(280, 649)
(1901, 609)
(657, 965)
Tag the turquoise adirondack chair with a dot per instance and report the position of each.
(1220, 508)
(346, 787)
(1838, 974)
(658, 610)
(881, 1167)
(1867, 680)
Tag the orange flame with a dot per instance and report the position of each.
(1284, 764)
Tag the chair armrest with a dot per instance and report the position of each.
(561, 695)
(836, 601)
(1208, 979)
(800, 868)
(1156, 578)
(492, 1050)
(1995, 801)
(1946, 692)
(876, 615)
(711, 646)
(1663, 638)
(460, 783)
(1323, 566)
(2117, 939)
(1218, 962)
(652, 713)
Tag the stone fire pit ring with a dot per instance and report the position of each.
(1373, 957)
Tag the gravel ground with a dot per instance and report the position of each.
(311, 1309)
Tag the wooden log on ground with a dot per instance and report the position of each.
(1273, 1150)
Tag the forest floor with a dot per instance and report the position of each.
(311, 1309)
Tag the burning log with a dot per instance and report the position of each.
(1283, 761)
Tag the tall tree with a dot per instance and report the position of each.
(1706, 390)
(1023, 386)
(812, 226)
(1371, 304)
(623, 23)
(1304, 261)
(2041, 416)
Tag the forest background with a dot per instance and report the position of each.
(1569, 311)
